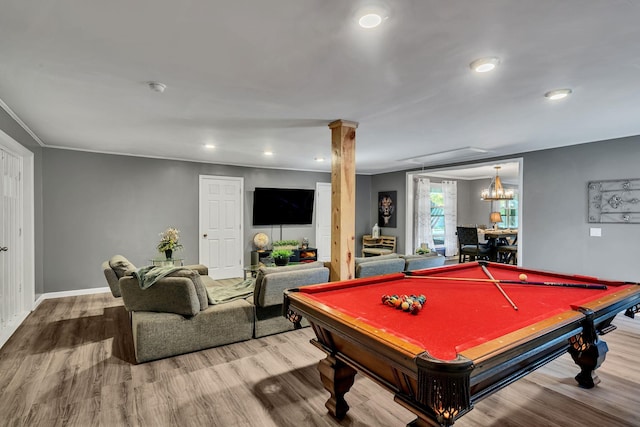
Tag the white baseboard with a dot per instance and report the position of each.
(62, 294)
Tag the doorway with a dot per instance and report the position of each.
(17, 264)
(471, 209)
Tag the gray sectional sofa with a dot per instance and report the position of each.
(394, 263)
(176, 314)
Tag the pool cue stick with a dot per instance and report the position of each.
(484, 268)
(514, 282)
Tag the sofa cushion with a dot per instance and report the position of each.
(420, 262)
(198, 284)
(292, 267)
(263, 271)
(381, 265)
(203, 270)
(120, 265)
(112, 279)
(169, 295)
(269, 290)
(360, 260)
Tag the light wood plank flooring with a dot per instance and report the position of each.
(70, 364)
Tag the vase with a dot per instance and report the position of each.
(168, 253)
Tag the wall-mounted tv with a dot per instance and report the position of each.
(281, 206)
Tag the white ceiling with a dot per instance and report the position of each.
(508, 171)
(251, 75)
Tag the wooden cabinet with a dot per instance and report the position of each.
(304, 255)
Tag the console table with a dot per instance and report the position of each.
(163, 262)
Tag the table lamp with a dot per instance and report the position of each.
(495, 217)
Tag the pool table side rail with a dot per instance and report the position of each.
(518, 270)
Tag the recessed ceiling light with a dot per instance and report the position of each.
(319, 159)
(209, 146)
(268, 153)
(482, 65)
(370, 20)
(557, 94)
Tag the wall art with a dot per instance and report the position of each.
(387, 209)
(614, 201)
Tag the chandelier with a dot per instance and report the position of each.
(495, 190)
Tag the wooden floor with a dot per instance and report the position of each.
(71, 364)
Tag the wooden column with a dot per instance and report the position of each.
(343, 199)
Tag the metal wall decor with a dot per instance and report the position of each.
(614, 201)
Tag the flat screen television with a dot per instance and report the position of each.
(281, 206)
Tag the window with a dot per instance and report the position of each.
(437, 214)
(509, 211)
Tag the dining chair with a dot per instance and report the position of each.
(508, 254)
(469, 245)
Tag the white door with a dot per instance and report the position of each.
(17, 264)
(221, 219)
(323, 221)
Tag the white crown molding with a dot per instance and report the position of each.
(22, 124)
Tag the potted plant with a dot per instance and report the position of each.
(281, 256)
(286, 244)
(423, 251)
(169, 241)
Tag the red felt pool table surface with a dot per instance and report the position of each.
(459, 315)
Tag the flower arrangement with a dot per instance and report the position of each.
(169, 240)
(423, 251)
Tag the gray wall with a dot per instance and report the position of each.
(15, 131)
(474, 210)
(98, 205)
(556, 231)
(395, 181)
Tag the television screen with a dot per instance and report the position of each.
(279, 206)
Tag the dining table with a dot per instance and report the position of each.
(497, 237)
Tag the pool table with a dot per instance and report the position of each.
(471, 338)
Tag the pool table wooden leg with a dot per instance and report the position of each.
(587, 351)
(337, 378)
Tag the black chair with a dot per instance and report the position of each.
(508, 254)
(470, 246)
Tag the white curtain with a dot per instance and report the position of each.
(422, 212)
(450, 192)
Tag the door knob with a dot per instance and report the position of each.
(205, 235)
(4, 248)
